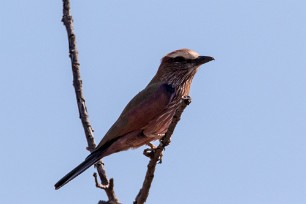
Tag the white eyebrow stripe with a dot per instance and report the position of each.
(186, 53)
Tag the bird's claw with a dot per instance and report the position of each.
(150, 152)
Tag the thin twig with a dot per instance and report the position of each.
(83, 114)
(157, 153)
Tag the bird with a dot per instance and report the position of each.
(147, 116)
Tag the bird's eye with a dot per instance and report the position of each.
(178, 59)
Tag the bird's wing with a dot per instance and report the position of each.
(145, 106)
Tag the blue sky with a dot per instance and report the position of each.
(241, 141)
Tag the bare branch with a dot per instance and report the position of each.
(109, 189)
(156, 154)
(83, 114)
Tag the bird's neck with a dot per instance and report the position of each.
(181, 84)
(180, 79)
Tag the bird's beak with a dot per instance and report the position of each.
(203, 59)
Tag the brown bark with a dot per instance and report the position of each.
(108, 186)
(157, 153)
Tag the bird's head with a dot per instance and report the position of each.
(180, 66)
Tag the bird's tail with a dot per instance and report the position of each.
(89, 161)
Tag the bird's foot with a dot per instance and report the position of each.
(150, 152)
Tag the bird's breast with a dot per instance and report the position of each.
(160, 124)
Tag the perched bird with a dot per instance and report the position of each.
(148, 115)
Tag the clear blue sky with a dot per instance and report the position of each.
(241, 141)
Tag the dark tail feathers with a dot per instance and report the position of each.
(89, 161)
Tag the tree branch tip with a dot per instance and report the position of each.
(111, 184)
(98, 185)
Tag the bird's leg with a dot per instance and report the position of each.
(151, 145)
